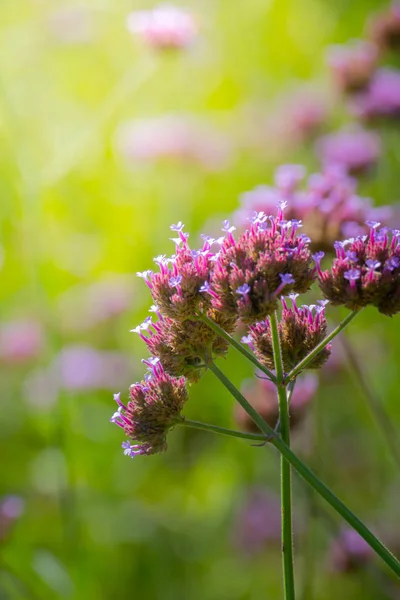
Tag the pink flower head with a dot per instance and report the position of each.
(327, 204)
(350, 551)
(366, 271)
(356, 150)
(384, 28)
(300, 329)
(381, 98)
(164, 27)
(20, 341)
(261, 393)
(353, 64)
(174, 138)
(258, 522)
(153, 407)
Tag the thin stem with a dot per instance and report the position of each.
(237, 346)
(374, 402)
(303, 363)
(286, 491)
(310, 477)
(222, 430)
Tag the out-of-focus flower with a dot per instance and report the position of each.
(20, 341)
(11, 508)
(296, 118)
(81, 367)
(173, 137)
(381, 98)
(353, 64)
(327, 205)
(164, 27)
(349, 552)
(84, 307)
(301, 329)
(258, 522)
(261, 393)
(366, 271)
(153, 408)
(384, 28)
(356, 150)
(72, 24)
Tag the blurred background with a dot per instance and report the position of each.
(111, 129)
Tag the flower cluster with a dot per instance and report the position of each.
(261, 393)
(352, 64)
(327, 205)
(354, 149)
(153, 407)
(384, 28)
(250, 274)
(381, 98)
(164, 27)
(366, 271)
(301, 329)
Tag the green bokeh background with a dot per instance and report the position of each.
(98, 525)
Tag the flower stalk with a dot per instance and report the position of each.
(286, 491)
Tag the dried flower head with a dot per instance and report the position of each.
(250, 275)
(352, 64)
(327, 205)
(384, 28)
(300, 330)
(261, 393)
(153, 408)
(164, 27)
(356, 150)
(366, 271)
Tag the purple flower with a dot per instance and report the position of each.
(175, 281)
(179, 227)
(227, 227)
(243, 290)
(286, 278)
(372, 224)
(246, 339)
(127, 449)
(352, 275)
(372, 264)
(356, 150)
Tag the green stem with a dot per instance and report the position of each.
(222, 430)
(237, 346)
(310, 477)
(374, 402)
(286, 485)
(303, 363)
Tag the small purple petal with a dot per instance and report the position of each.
(352, 275)
(243, 290)
(286, 278)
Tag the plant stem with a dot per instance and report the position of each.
(374, 402)
(222, 430)
(286, 492)
(310, 477)
(237, 346)
(303, 363)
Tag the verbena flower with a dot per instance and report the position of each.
(184, 347)
(384, 28)
(258, 521)
(251, 273)
(261, 393)
(350, 552)
(381, 98)
(356, 150)
(154, 406)
(327, 205)
(366, 271)
(301, 329)
(352, 64)
(163, 27)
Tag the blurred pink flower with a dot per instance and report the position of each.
(261, 393)
(81, 367)
(381, 98)
(258, 522)
(384, 28)
(356, 150)
(352, 64)
(84, 307)
(21, 340)
(11, 508)
(164, 27)
(173, 137)
(349, 551)
(72, 24)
